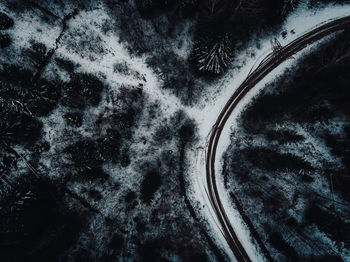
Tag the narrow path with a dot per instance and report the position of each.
(50, 54)
(217, 252)
(273, 60)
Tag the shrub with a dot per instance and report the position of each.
(84, 155)
(125, 120)
(284, 136)
(74, 119)
(20, 129)
(150, 251)
(130, 196)
(5, 21)
(332, 225)
(280, 244)
(152, 8)
(37, 53)
(271, 160)
(186, 132)
(146, 7)
(82, 91)
(108, 146)
(65, 64)
(190, 254)
(125, 158)
(5, 40)
(87, 160)
(117, 242)
(150, 184)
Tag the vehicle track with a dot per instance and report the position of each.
(272, 60)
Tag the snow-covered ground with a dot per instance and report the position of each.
(301, 21)
(205, 112)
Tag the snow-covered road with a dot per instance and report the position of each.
(212, 111)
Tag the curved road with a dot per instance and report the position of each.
(273, 60)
